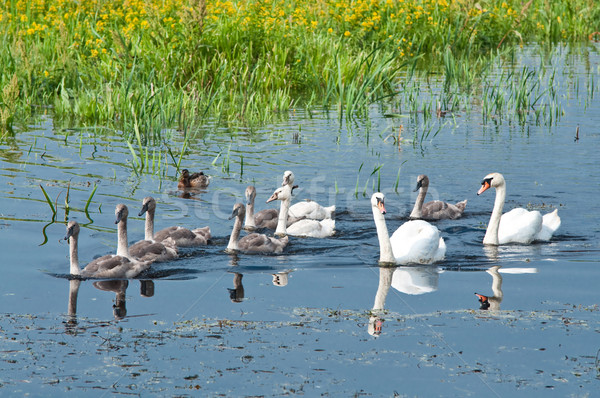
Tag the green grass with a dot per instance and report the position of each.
(150, 70)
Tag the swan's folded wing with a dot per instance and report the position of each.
(417, 242)
(261, 243)
(438, 210)
(109, 266)
(519, 226)
(266, 218)
(550, 223)
(312, 228)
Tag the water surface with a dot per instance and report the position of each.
(180, 333)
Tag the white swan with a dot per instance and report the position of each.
(307, 209)
(120, 265)
(263, 219)
(518, 225)
(149, 249)
(182, 237)
(258, 243)
(434, 210)
(413, 242)
(305, 227)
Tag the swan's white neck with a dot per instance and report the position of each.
(235, 234)
(75, 270)
(491, 234)
(122, 245)
(249, 221)
(149, 231)
(386, 255)
(417, 209)
(385, 281)
(283, 215)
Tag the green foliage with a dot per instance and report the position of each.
(149, 68)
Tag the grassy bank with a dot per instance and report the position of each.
(141, 66)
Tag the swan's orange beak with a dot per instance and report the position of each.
(381, 207)
(484, 187)
(482, 298)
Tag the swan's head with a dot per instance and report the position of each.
(484, 300)
(72, 230)
(492, 180)
(239, 210)
(288, 178)
(250, 194)
(282, 193)
(148, 205)
(422, 181)
(121, 213)
(378, 201)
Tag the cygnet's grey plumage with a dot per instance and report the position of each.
(149, 249)
(254, 242)
(109, 266)
(182, 237)
(434, 210)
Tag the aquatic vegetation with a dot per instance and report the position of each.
(176, 61)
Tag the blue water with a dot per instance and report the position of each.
(312, 335)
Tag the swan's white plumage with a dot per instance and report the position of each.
(306, 227)
(419, 242)
(518, 225)
(413, 242)
(312, 228)
(307, 209)
(311, 210)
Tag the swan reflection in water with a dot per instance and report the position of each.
(281, 278)
(492, 303)
(237, 293)
(413, 280)
(118, 286)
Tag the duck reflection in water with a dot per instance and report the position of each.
(408, 280)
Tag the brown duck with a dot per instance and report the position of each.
(195, 180)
